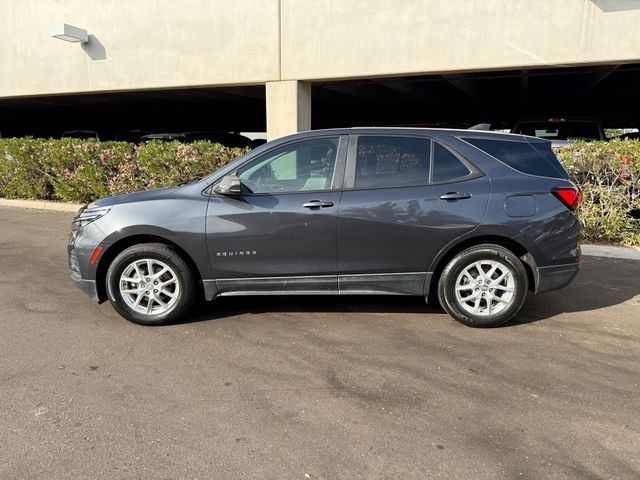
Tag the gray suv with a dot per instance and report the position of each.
(473, 219)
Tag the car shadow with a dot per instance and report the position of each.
(226, 307)
(601, 283)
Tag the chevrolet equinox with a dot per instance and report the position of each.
(473, 219)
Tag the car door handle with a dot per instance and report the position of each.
(455, 196)
(317, 204)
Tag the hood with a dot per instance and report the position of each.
(133, 197)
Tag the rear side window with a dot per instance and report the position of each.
(522, 156)
(392, 162)
(446, 166)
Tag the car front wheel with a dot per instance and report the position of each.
(150, 284)
(483, 286)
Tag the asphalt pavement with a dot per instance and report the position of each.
(311, 388)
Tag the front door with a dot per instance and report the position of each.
(280, 234)
(405, 198)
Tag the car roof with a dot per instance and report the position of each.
(432, 132)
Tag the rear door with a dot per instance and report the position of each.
(405, 198)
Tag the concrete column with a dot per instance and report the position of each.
(288, 108)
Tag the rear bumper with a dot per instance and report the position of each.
(88, 287)
(556, 276)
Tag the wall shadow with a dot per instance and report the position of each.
(616, 5)
(95, 49)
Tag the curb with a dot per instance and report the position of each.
(609, 251)
(41, 205)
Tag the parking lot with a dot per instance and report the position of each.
(320, 388)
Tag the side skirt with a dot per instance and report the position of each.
(382, 284)
(412, 283)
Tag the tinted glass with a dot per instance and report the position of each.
(299, 167)
(392, 162)
(544, 149)
(446, 166)
(520, 156)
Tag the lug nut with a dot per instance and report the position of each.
(155, 283)
(147, 292)
(155, 290)
(146, 279)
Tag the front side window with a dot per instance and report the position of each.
(298, 167)
(392, 162)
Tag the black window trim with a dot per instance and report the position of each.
(338, 169)
(474, 172)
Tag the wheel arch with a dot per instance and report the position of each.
(446, 254)
(122, 244)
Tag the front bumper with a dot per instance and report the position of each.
(88, 287)
(556, 276)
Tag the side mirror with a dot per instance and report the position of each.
(229, 185)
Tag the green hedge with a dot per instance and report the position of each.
(609, 175)
(75, 170)
(80, 171)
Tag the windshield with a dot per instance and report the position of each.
(560, 130)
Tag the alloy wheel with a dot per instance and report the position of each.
(149, 286)
(485, 288)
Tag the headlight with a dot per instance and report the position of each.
(88, 215)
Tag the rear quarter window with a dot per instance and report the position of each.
(533, 159)
(446, 166)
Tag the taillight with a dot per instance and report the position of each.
(570, 196)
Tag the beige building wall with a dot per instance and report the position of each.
(177, 43)
(151, 44)
(348, 38)
(147, 44)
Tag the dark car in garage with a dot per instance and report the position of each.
(473, 219)
(561, 130)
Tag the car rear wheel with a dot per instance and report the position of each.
(483, 286)
(150, 284)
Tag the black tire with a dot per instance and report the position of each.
(155, 251)
(466, 259)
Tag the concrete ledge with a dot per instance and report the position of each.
(41, 205)
(629, 253)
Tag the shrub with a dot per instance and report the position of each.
(23, 174)
(160, 164)
(80, 171)
(76, 170)
(609, 175)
